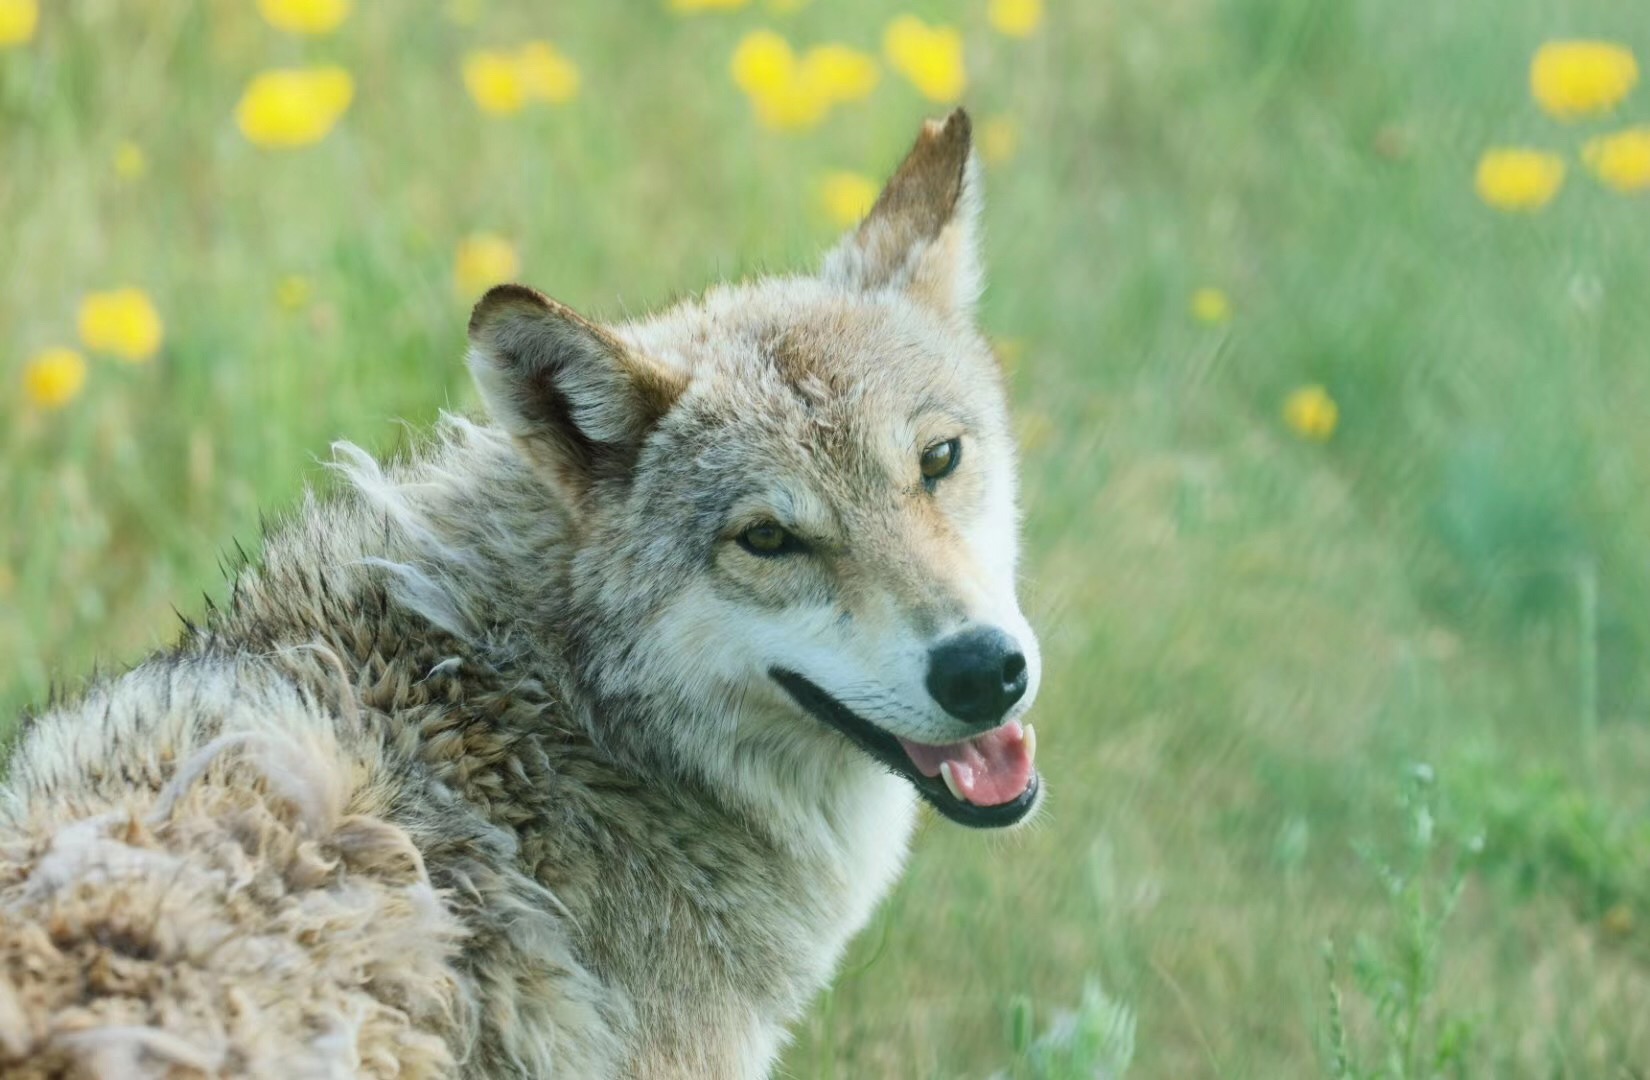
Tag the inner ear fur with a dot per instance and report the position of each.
(577, 400)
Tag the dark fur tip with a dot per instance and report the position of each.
(956, 127)
(503, 300)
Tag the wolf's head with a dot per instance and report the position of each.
(791, 504)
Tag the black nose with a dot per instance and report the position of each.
(977, 675)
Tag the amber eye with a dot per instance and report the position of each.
(768, 539)
(940, 461)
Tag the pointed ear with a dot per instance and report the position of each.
(921, 236)
(576, 399)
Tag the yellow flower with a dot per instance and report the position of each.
(762, 62)
(791, 107)
(691, 6)
(130, 162)
(292, 292)
(847, 197)
(122, 322)
(1576, 78)
(1621, 160)
(1211, 305)
(288, 107)
(18, 19)
(839, 74)
(504, 82)
(1311, 413)
(495, 81)
(483, 260)
(304, 16)
(931, 57)
(999, 139)
(54, 377)
(1016, 18)
(1518, 179)
(547, 75)
(789, 92)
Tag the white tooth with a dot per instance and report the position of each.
(1031, 743)
(951, 782)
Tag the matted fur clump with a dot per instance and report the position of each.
(236, 922)
(580, 742)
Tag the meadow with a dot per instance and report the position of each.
(1328, 326)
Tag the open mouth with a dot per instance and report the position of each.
(985, 782)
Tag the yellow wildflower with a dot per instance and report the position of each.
(130, 162)
(495, 81)
(999, 140)
(791, 92)
(54, 377)
(762, 62)
(312, 17)
(1518, 179)
(692, 6)
(1016, 18)
(1621, 160)
(122, 322)
(292, 292)
(288, 107)
(547, 75)
(931, 57)
(793, 106)
(483, 260)
(1311, 413)
(1211, 305)
(504, 82)
(18, 19)
(847, 197)
(839, 73)
(1577, 78)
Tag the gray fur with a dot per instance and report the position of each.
(479, 772)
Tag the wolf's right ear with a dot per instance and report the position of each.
(576, 399)
(922, 236)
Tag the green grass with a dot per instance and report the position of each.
(1250, 639)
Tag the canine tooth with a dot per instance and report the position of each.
(1031, 743)
(951, 782)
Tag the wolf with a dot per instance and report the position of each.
(576, 742)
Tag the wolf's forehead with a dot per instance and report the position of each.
(823, 341)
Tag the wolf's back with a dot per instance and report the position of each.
(185, 891)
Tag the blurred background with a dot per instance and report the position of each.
(1328, 328)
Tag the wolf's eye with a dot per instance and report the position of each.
(768, 539)
(940, 461)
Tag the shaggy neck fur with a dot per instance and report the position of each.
(466, 664)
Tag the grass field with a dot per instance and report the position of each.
(1386, 688)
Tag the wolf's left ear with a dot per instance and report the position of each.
(921, 236)
(578, 401)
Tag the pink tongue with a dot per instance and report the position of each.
(990, 769)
